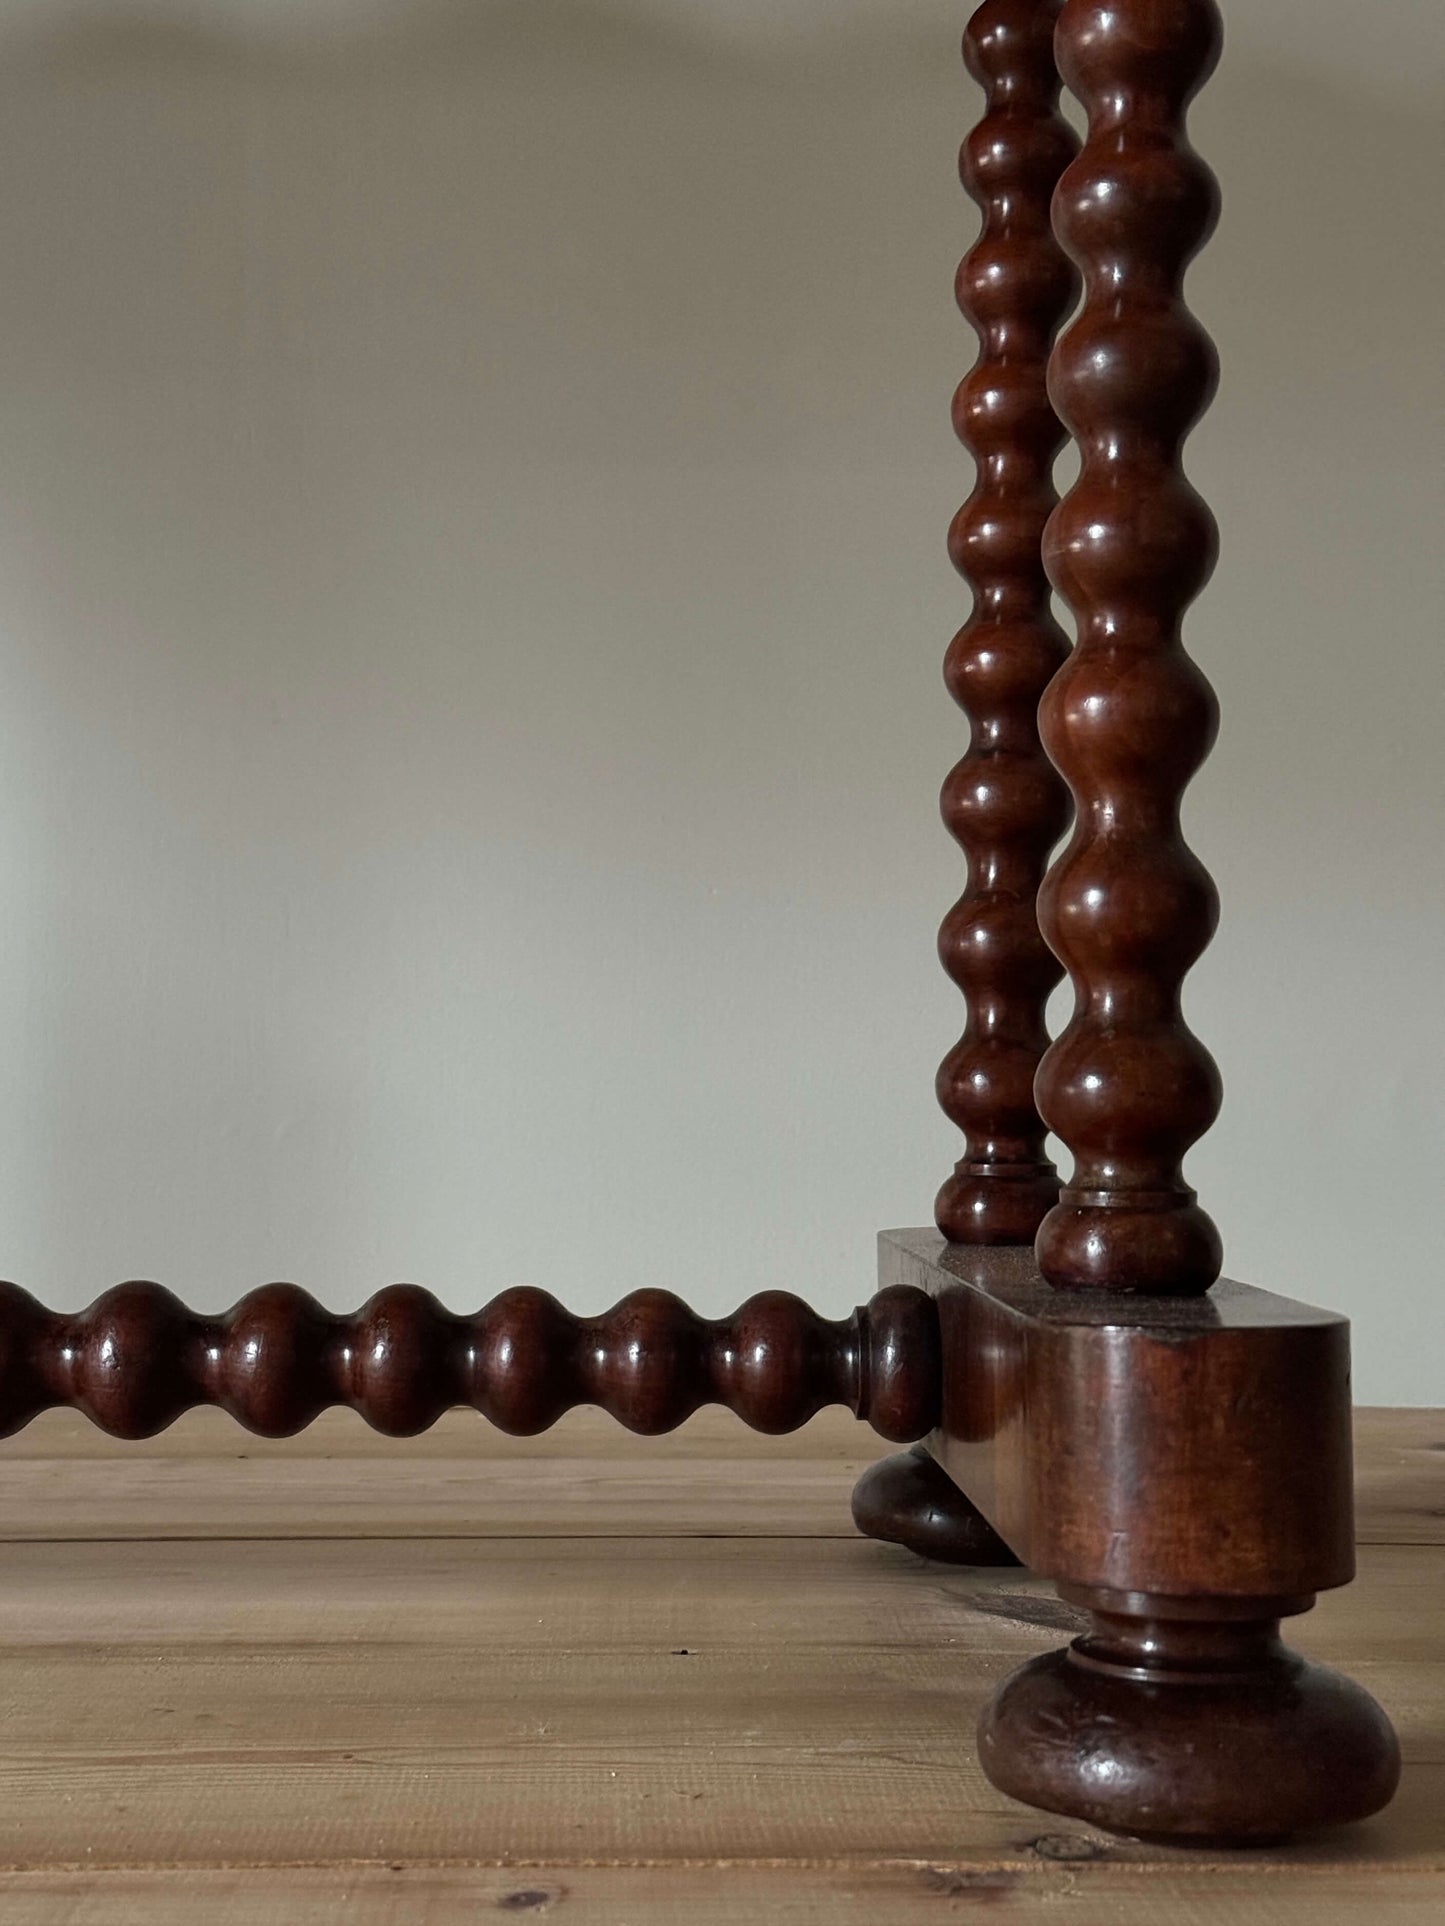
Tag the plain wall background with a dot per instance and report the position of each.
(473, 482)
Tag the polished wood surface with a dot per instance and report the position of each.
(910, 1500)
(1183, 1446)
(1188, 1718)
(138, 1358)
(1130, 718)
(1004, 802)
(1180, 1467)
(705, 1715)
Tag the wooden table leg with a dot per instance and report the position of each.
(1181, 1468)
(1174, 1452)
(1130, 717)
(1004, 802)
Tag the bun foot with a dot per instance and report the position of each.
(908, 1500)
(1187, 1718)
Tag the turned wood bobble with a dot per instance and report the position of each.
(1004, 802)
(899, 1368)
(1129, 717)
(138, 1358)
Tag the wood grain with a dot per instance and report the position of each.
(581, 1433)
(204, 1478)
(1399, 1477)
(319, 1728)
(586, 1478)
(236, 1704)
(1043, 1892)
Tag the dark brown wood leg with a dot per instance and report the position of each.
(1130, 717)
(1181, 1469)
(1188, 1718)
(910, 1500)
(1174, 1452)
(1004, 802)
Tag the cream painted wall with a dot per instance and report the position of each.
(472, 492)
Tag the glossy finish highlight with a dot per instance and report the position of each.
(910, 1500)
(1004, 802)
(1185, 1719)
(1180, 1468)
(138, 1358)
(1130, 718)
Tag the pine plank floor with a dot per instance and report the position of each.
(592, 1678)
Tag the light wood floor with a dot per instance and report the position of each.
(593, 1679)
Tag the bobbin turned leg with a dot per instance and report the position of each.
(1185, 1451)
(1004, 802)
(1129, 717)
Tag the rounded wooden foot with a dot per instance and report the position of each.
(1188, 1718)
(908, 1500)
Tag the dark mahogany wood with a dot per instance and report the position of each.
(1004, 802)
(1181, 1468)
(1130, 718)
(910, 1500)
(1188, 1718)
(138, 1358)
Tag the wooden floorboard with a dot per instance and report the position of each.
(1400, 1477)
(587, 1478)
(1042, 1893)
(220, 1705)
